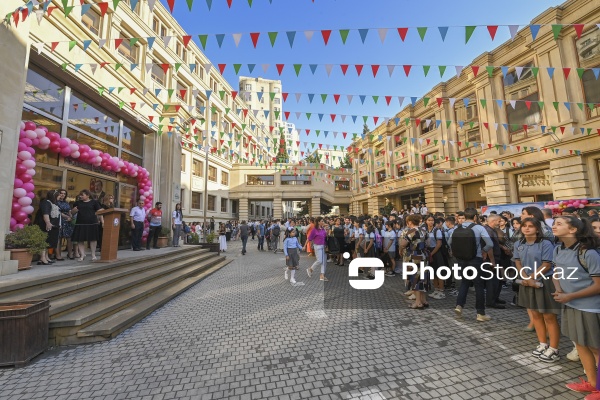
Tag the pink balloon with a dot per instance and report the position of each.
(582, 206)
(44, 143)
(41, 131)
(35, 142)
(54, 143)
(22, 146)
(29, 126)
(26, 221)
(28, 186)
(13, 222)
(64, 142)
(25, 201)
(19, 192)
(584, 201)
(75, 154)
(18, 183)
(30, 134)
(53, 136)
(16, 207)
(83, 155)
(20, 216)
(65, 151)
(28, 142)
(28, 209)
(31, 195)
(22, 126)
(25, 177)
(19, 226)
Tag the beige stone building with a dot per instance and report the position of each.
(402, 163)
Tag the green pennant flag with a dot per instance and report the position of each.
(365, 118)
(64, 66)
(189, 3)
(203, 39)
(442, 69)
(422, 31)
(236, 68)
(483, 102)
(490, 70)
(272, 38)
(120, 89)
(177, 66)
(221, 134)
(68, 10)
(375, 99)
(121, 104)
(344, 34)
(133, 41)
(324, 97)
(580, 105)
(541, 105)
(222, 94)
(308, 115)
(115, 4)
(170, 92)
(407, 120)
(297, 68)
(591, 106)
(318, 132)
(425, 101)
(535, 71)
(469, 32)
(556, 30)
(555, 104)
(580, 72)
(101, 91)
(243, 128)
(272, 95)
(250, 3)
(65, 3)
(426, 69)
(448, 123)
(471, 124)
(72, 43)
(277, 114)
(166, 107)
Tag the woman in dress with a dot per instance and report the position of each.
(222, 237)
(338, 233)
(66, 226)
(86, 226)
(48, 219)
(308, 245)
(176, 224)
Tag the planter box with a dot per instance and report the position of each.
(212, 247)
(24, 329)
(23, 257)
(162, 242)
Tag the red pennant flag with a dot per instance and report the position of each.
(186, 40)
(287, 114)
(492, 29)
(103, 64)
(344, 68)
(562, 130)
(417, 121)
(374, 68)
(151, 118)
(254, 36)
(307, 132)
(332, 117)
(428, 141)
(336, 98)
(518, 148)
(53, 46)
(245, 112)
(297, 144)
(118, 42)
(229, 3)
(344, 133)
(528, 104)
(24, 14)
(397, 138)
(578, 29)
(359, 68)
(407, 69)
(271, 128)
(103, 8)
(320, 145)
(222, 68)
(439, 100)
(487, 126)
(402, 32)
(326, 34)
(475, 69)
(132, 90)
(566, 71)
(165, 67)
(459, 144)
(171, 5)
(280, 68)
(388, 99)
(375, 119)
(234, 94)
(285, 96)
(182, 93)
(132, 106)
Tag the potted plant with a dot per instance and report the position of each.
(210, 244)
(194, 238)
(24, 243)
(163, 237)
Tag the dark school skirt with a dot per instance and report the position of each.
(581, 327)
(294, 259)
(539, 299)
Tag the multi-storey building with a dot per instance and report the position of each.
(292, 138)
(523, 135)
(264, 98)
(331, 158)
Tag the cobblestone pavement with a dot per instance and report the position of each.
(246, 333)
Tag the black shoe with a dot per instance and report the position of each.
(42, 263)
(500, 301)
(360, 271)
(497, 306)
(370, 276)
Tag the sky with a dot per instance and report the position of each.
(302, 15)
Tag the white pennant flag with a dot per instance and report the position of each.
(151, 4)
(236, 38)
(400, 100)
(335, 135)
(265, 67)
(298, 95)
(309, 35)
(513, 31)
(101, 43)
(350, 97)
(459, 69)
(519, 71)
(93, 68)
(142, 104)
(148, 68)
(382, 34)
(167, 40)
(39, 47)
(194, 92)
(298, 117)
(391, 69)
(328, 68)
(513, 103)
(427, 122)
(343, 118)
(452, 101)
(39, 14)
(207, 68)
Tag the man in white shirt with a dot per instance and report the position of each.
(423, 210)
(548, 217)
(138, 214)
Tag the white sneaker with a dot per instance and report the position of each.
(483, 318)
(440, 295)
(549, 356)
(285, 274)
(573, 355)
(293, 281)
(458, 311)
(540, 350)
(309, 272)
(412, 297)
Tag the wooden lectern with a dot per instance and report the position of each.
(110, 234)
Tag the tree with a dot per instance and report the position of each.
(282, 155)
(304, 209)
(325, 209)
(314, 158)
(346, 163)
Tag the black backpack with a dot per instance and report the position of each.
(276, 230)
(464, 245)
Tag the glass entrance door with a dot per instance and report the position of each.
(127, 199)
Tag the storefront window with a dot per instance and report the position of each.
(133, 140)
(43, 156)
(82, 138)
(535, 186)
(99, 187)
(589, 57)
(93, 119)
(45, 179)
(44, 94)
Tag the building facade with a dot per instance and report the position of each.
(507, 135)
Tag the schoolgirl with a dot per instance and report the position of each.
(532, 256)
(578, 289)
(411, 243)
(291, 249)
(389, 248)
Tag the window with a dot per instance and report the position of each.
(197, 200)
(91, 20)
(470, 136)
(212, 173)
(364, 181)
(277, 100)
(156, 25)
(428, 160)
(181, 198)
(198, 168)
(199, 105)
(296, 180)
(427, 125)
(247, 88)
(224, 178)
(211, 203)
(399, 139)
(234, 206)
(381, 176)
(276, 89)
(126, 50)
(93, 119)
(467, 113)
(163, 30)
(182, 162)
(178, 48)
(224, 205)
(158, 74)
(263, 211)
(535, 186)
(181, 87)
(252, 209)
(260, 180)
(215, 86)
(342, 186)
(588, 50)
(401, 170)
(521, 85)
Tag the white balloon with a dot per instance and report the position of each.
(28, 209)
(19, 192)
(75, 154)
(30, 172)
(40, 133)
(24, 155)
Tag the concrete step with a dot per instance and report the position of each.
(96, 275)
(118, 322)
(129, 294)
(112, 285)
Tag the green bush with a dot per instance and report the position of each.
(30, 237)
(210, 238)
(195, 238)
(165, 232)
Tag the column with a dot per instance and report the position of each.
(13, 41)
(277, 207)
(374, 205)
(315, 206)
(243, 206)
(169, 165)
(570, 178)
(497, 189)
(451, 203)
(434, 198)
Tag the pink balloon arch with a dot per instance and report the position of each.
(32, 136)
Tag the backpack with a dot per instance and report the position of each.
(581, 258)
(276, 230)
(464, 245)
